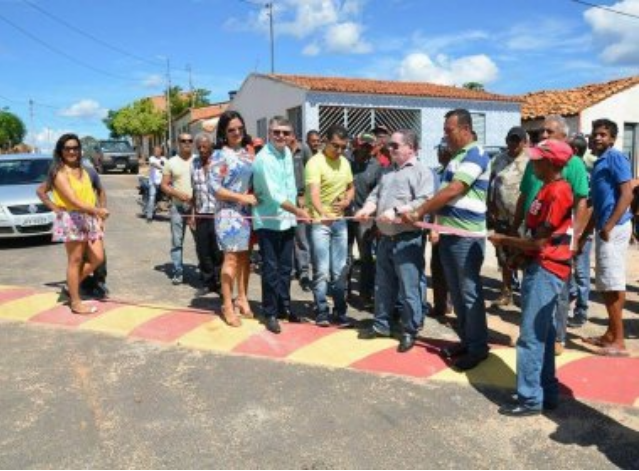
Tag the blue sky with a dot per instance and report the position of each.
(76, 59)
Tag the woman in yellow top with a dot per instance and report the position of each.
(79, 223)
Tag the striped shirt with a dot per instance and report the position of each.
(204, 199)
(470, 166)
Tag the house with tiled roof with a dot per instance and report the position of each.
(315, 102)
(617, 100)
(195, 120)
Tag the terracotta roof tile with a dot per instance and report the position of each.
(208, 112)
(571, 101)
(387, 87)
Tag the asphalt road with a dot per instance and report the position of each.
(72, 399)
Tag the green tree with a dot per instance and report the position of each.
(89, 145)
(182, 101)
(136, 120)
(474, 86)
(12, 130)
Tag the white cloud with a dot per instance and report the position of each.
(44, 139)
(329, 25)
(87, 109)
(154, 81)
(312, 49)
(443, 70)
(616, 35)
(346, 38)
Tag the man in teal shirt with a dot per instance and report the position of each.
(274, 221)
(576, 174)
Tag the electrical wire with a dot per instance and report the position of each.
(90, 36)
(62, 53)
(602, 7)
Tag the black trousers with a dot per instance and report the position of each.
(276, 248)
(209, 255)
(440, 288)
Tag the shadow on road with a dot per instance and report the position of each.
(577, 423)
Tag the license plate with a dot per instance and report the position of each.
(121, 166)
(35, 221)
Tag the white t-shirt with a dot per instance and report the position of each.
(155, 173)
(180, 172)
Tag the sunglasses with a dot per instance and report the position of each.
(186, 141)
(281, 132)
(338, 146)
(237, 129)
(71, 148)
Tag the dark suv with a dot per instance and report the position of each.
(116, 155)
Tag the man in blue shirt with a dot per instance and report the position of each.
(274, 221)
(611, 195)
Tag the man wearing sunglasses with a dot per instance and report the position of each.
(400, 251)
(176, 182)
(329, 191)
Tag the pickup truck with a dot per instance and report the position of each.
(115, 155)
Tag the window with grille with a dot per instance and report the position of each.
(358, 120)
(629, 142)
(294, 115)
(261, 128)
(479, 126)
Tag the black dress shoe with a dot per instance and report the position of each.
(517, 410)
(273, 325)
(406, 343)
(470, 361)
(294, 318)
(453, 351)
(371, 333)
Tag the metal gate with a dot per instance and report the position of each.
(358, 120)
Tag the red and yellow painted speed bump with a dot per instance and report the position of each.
(582, 375)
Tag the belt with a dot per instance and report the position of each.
(403, 235)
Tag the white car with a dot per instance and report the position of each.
(22, 214)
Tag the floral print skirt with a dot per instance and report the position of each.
(233, 228)
(74, 226)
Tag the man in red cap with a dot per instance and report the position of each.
(546, 246)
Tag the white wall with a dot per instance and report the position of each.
(262, 97)
(500, 116)
(621, 108)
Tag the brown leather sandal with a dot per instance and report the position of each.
(229, 316)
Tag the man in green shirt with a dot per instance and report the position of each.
(575, 173)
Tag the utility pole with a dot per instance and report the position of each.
(188, 69)
(168, 104)
(33, 136)
(269, 6)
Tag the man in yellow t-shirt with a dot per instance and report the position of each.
(329, 192)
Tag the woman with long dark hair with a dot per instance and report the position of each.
(79, 223)
(230, 181)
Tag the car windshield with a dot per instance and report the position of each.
(116, 146)
(23, 172)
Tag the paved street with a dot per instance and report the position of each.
(86, 398)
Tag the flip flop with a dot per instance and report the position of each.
(595, 341)
(612, 351)
(84, 310)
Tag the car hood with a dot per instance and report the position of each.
(18, 194)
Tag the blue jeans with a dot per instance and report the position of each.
(302, 251)
(276, 248)
(580, 282)
(178, 226)
(398, 275)
(462, 258)
(536, 379)
(150, 202)
(329, 251)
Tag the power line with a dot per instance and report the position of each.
(602, 7)
(89, 35)
(60, 52)
(27, 102)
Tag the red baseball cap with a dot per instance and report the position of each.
(558, 152)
